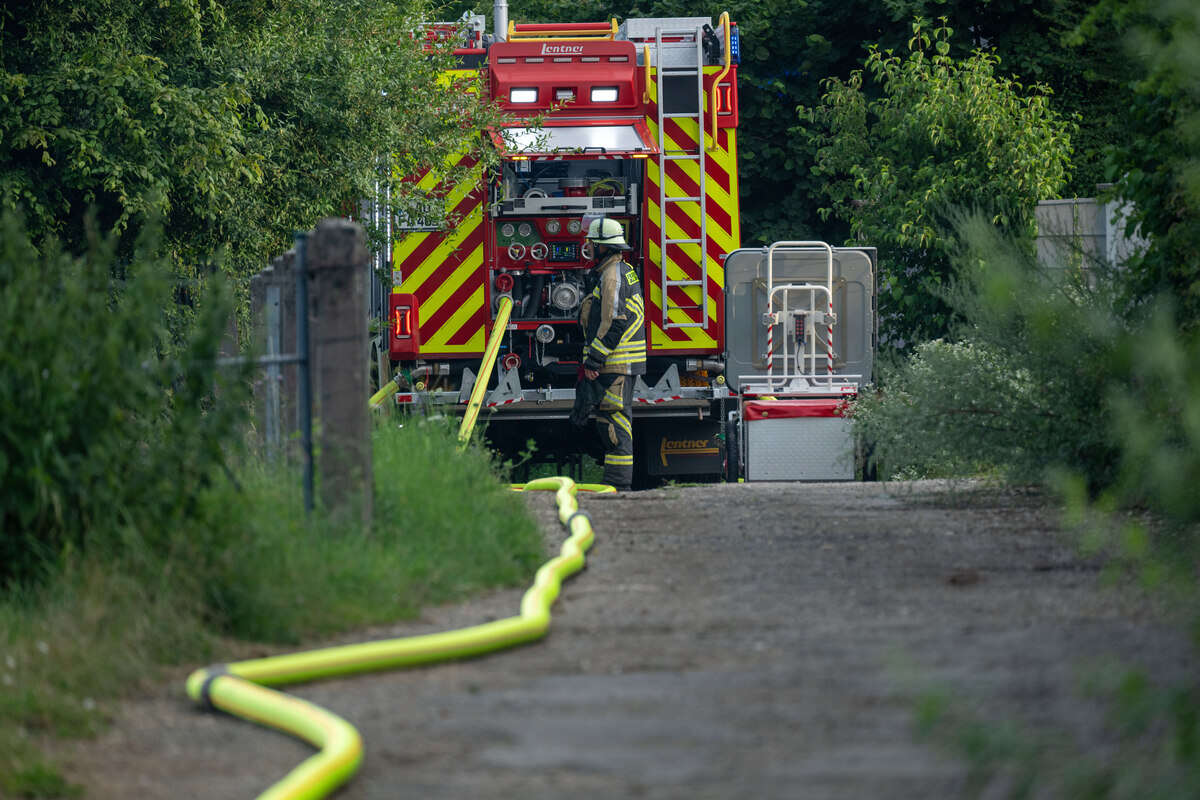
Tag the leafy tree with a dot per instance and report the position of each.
(1157, 167)
(237, 121)
(1036, 41)
(943, 134)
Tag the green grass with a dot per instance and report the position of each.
(251, 567)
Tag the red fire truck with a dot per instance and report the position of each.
(640, 125)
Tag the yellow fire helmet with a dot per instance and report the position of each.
(607, 232)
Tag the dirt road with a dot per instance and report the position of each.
(762, 641)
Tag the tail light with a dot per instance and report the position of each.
(404, 331)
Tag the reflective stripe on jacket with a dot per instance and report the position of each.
(614, 320)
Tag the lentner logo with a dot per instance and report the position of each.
(686, 447)
(562, 49)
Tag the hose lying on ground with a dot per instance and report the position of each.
(240, 688)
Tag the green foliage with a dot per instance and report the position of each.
(945, 134)
(1157, 165)
(238, 122)
(1036, 41)
(39, 779)
(444, 526)
(104, 437)
(251, 564)
(1151, 734)
(1156, 419)
(1046, 375)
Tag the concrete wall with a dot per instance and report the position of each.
(1082, 230)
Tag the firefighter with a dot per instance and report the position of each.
(613, 319)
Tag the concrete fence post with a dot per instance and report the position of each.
(284, 268)
(337, 257)
(263, 330)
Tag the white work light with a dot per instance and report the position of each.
(604, 94)
(524, 95)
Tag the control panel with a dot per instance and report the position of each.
(545, 243)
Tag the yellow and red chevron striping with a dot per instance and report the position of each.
(681, 178)
(444, 269)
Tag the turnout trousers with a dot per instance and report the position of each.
(614, 423)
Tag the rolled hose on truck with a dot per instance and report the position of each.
(241, 689)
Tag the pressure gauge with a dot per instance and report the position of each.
(525, 229)
(553, 226)
(574, 226)
(507, 229)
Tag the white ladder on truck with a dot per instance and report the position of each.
(664, 42)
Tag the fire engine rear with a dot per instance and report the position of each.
(640, 126)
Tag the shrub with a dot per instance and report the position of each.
(107, 428)
(1021, 388)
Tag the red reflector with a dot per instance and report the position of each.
(404, 398)
(402, 322)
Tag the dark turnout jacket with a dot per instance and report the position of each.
(613, 317)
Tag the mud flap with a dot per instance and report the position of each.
(688, 449)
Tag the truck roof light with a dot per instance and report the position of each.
(526, 95)
(604, 94)
(564, 94)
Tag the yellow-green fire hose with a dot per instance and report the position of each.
(240, 688)
(377, 399)
(485, 370)
(485, 373)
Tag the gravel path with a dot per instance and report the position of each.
(762, 640)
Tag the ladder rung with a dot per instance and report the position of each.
(678, 71)
(682, 241)
(683, 325)
(684, 283)
(686, 115)
(683, 157)
(682, 199)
